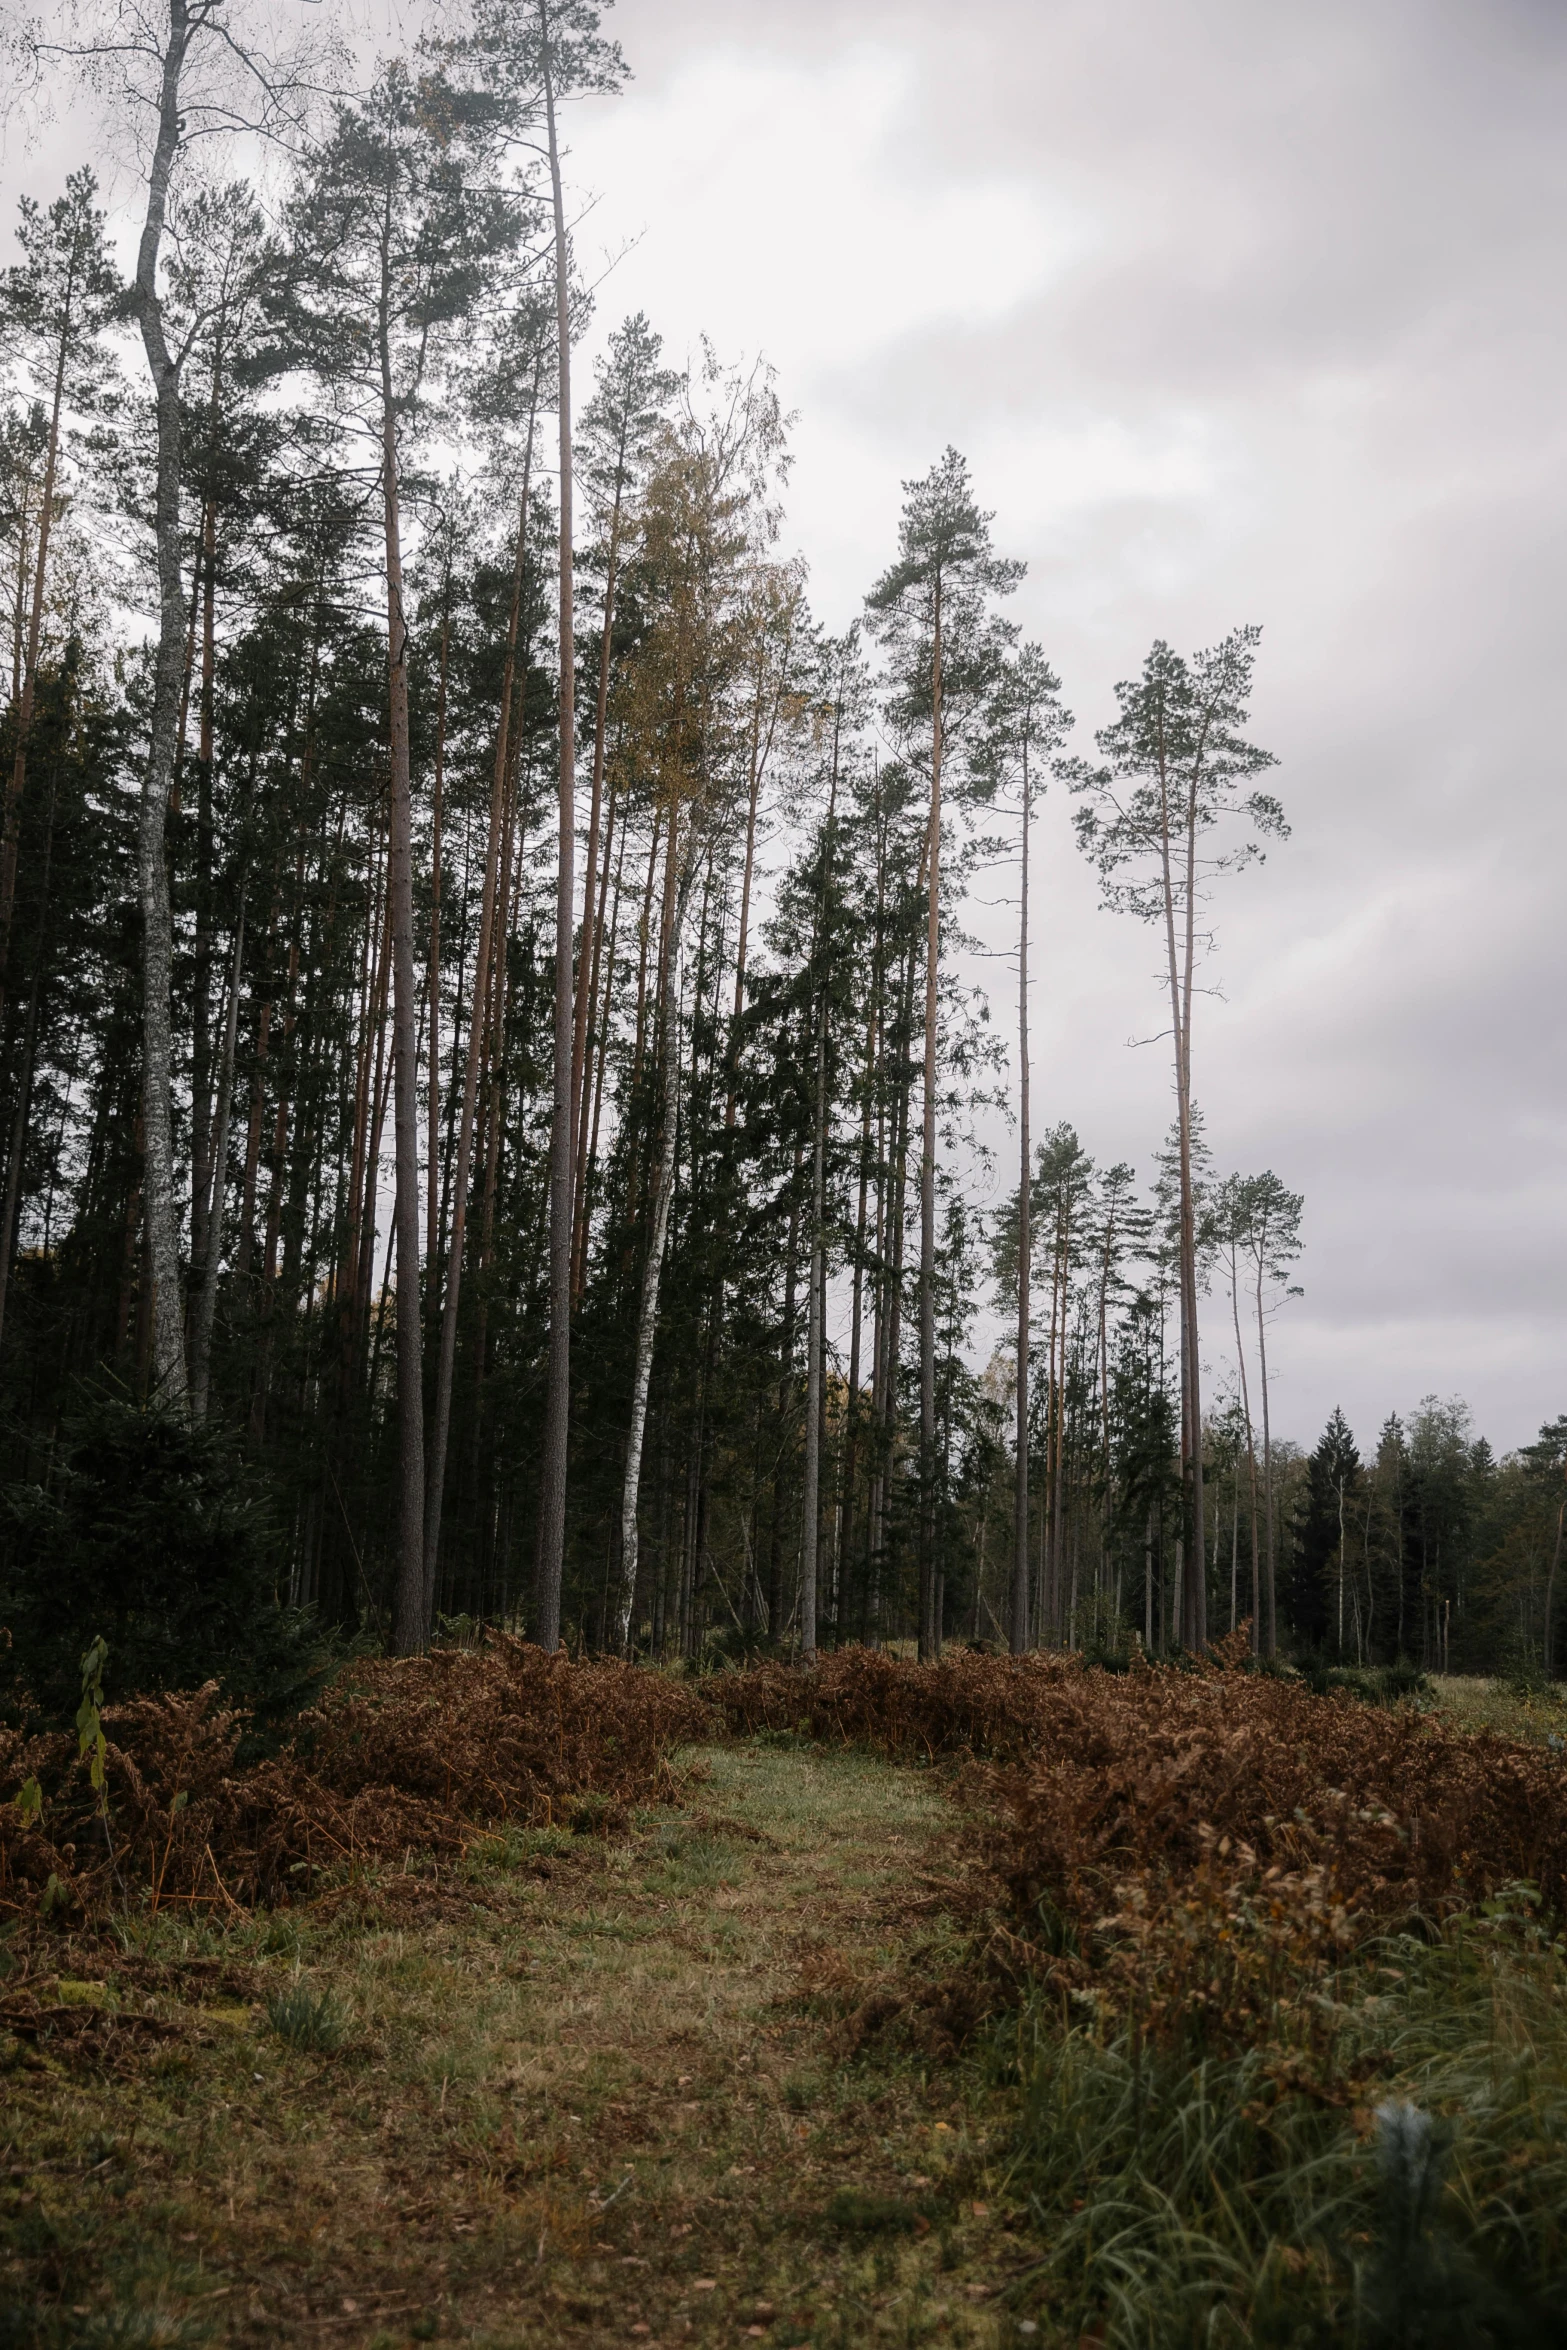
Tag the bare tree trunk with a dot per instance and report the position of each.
(929, 1628)
(16, 784)
(1270, 1642)
(410, 1627)
(432, 1172)
(1251, 1458)
(601, 1054)
(11, 1210)
(162, 1216)
(1195, 1594)
(207, 1295)
(652, 1274)
(440, 1427)
(761, 750)
(593, 914)
(851, 1407)
(1550, 1590)
(1025, 1243)
(557, 1412)
(816, 1303)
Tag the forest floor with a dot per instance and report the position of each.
(586, 2090)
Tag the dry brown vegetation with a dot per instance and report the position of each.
(1191, 1843)
(403, 1754)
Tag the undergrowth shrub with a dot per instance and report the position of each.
(1191, 1840)
(154, 1535)
(400, 1752)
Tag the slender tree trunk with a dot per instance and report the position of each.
(441, 1420)
(201, 1007)
(1251, 1458)
(557, 1411)
(760, 752)
(851, 1407)
(593, 916)
(652, 1274)
(1550, 1592)
(815, 1334)
(929, 1628)
(11, 1209)
(207, 1295)
(1270, 1643)
(167, 1327)
(16, 784)
(432, 1174)
(410, 1626)
(601, 1054)
(1025, 1243)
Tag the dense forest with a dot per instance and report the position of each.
(487, 1073)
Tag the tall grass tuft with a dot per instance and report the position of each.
(305, 2019)
(1384, 2167)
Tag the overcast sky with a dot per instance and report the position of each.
(1238, 312)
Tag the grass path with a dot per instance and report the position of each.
(589, 2091)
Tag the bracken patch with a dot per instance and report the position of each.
(402, 1754)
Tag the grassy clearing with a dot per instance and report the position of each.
(565, 2091)
(1513, 1708)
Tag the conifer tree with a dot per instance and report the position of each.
(391, 235)
(1158, 821)
(932, 611)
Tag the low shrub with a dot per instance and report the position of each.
(399, 1753)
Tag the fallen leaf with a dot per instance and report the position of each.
(705, 2285)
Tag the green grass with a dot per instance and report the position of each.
(306, 2019)
(1255, 2197)
(590, 2084)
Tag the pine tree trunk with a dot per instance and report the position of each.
(652, 1274)
(441, 1420)
(593, 901)
(167, 1324)
(1251, 1457)
(810, 1506)
(432, 1185)
(557, 1411)
(1019, 1625)
(410, 1627)
(1270, 1639)
(929, 1628)
(10, 837)
(11, 1208)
